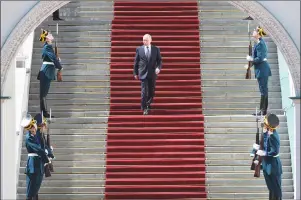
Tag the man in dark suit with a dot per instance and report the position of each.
(147, 66)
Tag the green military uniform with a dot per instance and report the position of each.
(36, 159)
(271, 163)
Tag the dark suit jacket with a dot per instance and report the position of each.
(144, 68)
(261, 67)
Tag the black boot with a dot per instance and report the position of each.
(56, 15)
(43, 107)
(36, 197)
(265, 105)
(270, 196)
(261, 106)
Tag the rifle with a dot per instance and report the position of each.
(47, 166)
(248, 73)
(49, 145)
(56, 52)
(257, 157)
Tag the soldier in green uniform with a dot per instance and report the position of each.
(37, 159)
(261, 68)
(47, 71)
(271, 163)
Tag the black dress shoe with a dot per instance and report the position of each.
(47, 115)
(262, 112)
(145, 112)
(57, 19)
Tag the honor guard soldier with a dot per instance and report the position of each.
(47, 71)
(37, 159)
(271, 163)
(261, 68)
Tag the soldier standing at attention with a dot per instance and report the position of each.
(37, 159)
(47, 71)
(261, 68)
(271, 163)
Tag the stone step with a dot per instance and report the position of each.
(210, 169)
(229, 38)
(238, 130)
(62, 114)
(237, 118)
(205, 83)
(229, 67)
(233, 49)
(217, 13)
(71, 163)
(233, 111)
(67, 190)
(285, 162)
(96, 177)
(91, 163)
(240, 95)
(68, 183)
(239, 149)
(70, 156)
(247, 195)
(230, 89)
(228, 141)
(83, 4)
(242, 156)
(240, 175)
(99, 183)
(66, 196)
(236, 124)
(55, 105)
(237, 169)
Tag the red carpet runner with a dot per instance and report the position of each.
(159, 156)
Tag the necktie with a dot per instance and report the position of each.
(147, 53)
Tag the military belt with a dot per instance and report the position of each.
(48, 63)
(32, 154)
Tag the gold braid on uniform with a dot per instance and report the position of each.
(43, 35)
(267, 125)
(30, 125)
(260, 31)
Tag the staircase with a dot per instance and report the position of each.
(228, 101)
(80, 103)
(160, 155)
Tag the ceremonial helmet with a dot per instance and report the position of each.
(43, 35)
(260, 31)
(271, 121)
(28, 122)
(40, 119)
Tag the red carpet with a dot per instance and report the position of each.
(159, 156)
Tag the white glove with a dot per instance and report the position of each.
(246, 66)
(270, 132)
(59, 59)
(157, 70)
(256, 162)
(256, 146)
(51, 148)
(249, 58)
(261, 153)
(46, 151)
